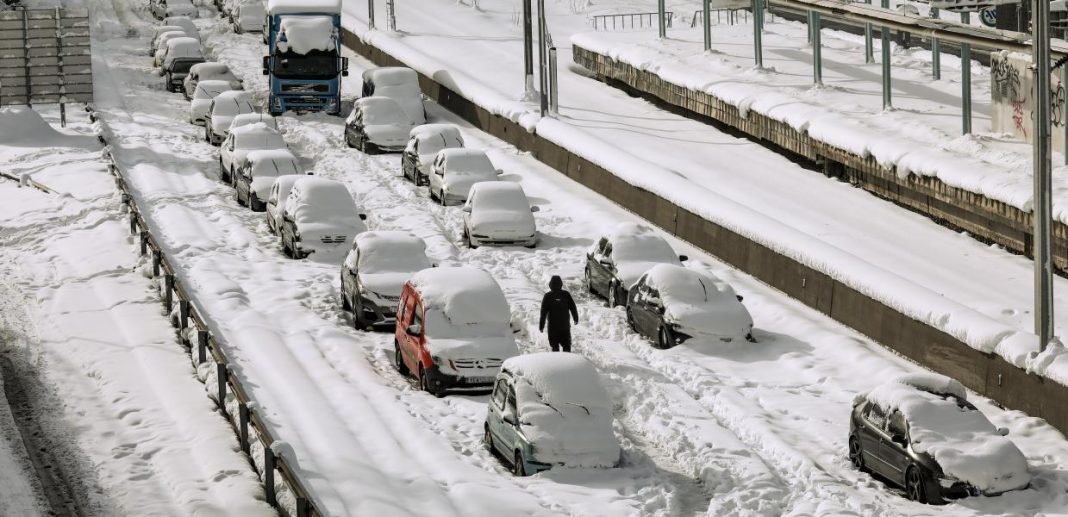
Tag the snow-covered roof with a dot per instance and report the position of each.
(303, 6)
(381, 110)
(634, 241)
(434, 129)
(467, 159)
(183, 47)
(257, 136)
(391, 251)
(213, 87)
(211, 69)
(685, 285)
(321, 200)
(465, 295)
(245, 119)
(303, 34)
(499, 195)
(391, 76)
(561, 379)
(280, 160)
(958, 436)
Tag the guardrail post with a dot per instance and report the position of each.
(884, 37)
(758, 44)
(242, 416)
(168, 293)
(554, 99)
(370, 14)
(183, 314)
(303, 507)
(133, 223)
(817, 47)
(706, 20)
(202, 346)
(223, 374)
(661, 20)
(268, 476)
(966, 87)
(157, 259)
(144, 242)
(936, 51)
(391, 15)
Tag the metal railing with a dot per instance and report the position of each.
(624, 21)
(231, 397)
(732, 16)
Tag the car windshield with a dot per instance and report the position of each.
(182, 66)
(259, 140)
(434, 143)
(316, 64)
(645, 248)
(475, 162)
(275, 167)
(512, 199)
(400, 258)
(208, 92)
(439, 326)
(382, 115)
(231, 107)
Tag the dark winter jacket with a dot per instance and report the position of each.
(557, 308)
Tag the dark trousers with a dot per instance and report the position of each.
(560, 340)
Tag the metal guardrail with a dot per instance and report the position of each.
(191, 322)
(732, 16)
(623, 21)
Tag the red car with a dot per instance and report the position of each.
(453, 329)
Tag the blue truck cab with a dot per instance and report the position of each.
(304, 62)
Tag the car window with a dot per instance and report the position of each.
(273, 199)
(404, 303)
(608, 250)
(896, 425)
(876, 416)
(499, 393)
(511, 403)
(601, 245)
(417, 315)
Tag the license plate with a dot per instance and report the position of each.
(479, 380)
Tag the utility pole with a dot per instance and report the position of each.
(1043, 168)
(528, 51)
(543, 79)
(660, 19)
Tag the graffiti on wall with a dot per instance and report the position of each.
(1011, 90)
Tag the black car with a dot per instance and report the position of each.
(423, 146)
(377, 125)
(621, 257)
(177, 71)
(900, 431)
(374, 273)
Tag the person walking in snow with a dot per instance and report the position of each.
(558, 309)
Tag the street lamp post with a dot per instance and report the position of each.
(1043, 167)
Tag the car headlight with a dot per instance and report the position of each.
(277, 104)
(331, 104)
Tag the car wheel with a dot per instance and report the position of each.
(240, 200)
(424, 384)
(518, 468)
(487, 438)
(398, 359)
(357, 322)
(856, 454)
(914, 485)
(345, 305)
(441, 197)
(233, 178)
(613, 295)
(285, 249)
(589, 280)
(630, 321)
(665, 340)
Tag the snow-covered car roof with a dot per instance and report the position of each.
(561, 379)
(942, 424)
(303, 34)
(684, 285)
(246, 119)
(466, 159)
(391, 252)
(160, 29)
(183, 47)
(276, 162)
(212, 88)
(232, 102)
(257, 136)
(163, 37)
(211, 69)
(391, 76)
(435, 129)
(435, 137)
(499, 195)
(319, 200)
(699, 304)
(381, 111)
(465, 295)
(635, 241)
(303, 6)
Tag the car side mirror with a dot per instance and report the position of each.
(500, 172)
(740, 297)
(466, 209)
(1003, 431)
(266, 65)
(363, 217)
(683, 258)
(655, 302)
(535, 209)
(414, 329)
(508, 416)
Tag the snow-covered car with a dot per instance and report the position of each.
(400, 84)
(160, 44)
(245, 119)
(453, 329)
(621, 256)
(550, 409)
(253, 182)
(158, 32)
(163, 9)
(203, 94)
(498, 213)
(374, 272)
(377, 124)
(185, 22)
(920, 433)
(671, 304)
(224, 107)
(424, 142)
(241, 141)
(179, 56)
(247, 17)
(210, 70)
(277, 199)
(455, 171)
(319, 216)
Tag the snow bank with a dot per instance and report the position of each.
(953, 432)
(564, 410)
(21, 126)
(304, 34)
(275, 7)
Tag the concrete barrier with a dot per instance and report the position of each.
(988, 374)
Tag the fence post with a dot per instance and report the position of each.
(168, 293)
(661, 20)
(966, 87)
(707, 23)
(303, 507)
(144, 242)
(884, 36)
(391, 16)
(817, 48)
(157, 259)
(183, 314)
(370, 14)
(869, 51)
(758, 44)
(268, 476)
(202, 346)
(554, 99)
(133, 223)
(242, 416)
(223, 374)
(936, 51)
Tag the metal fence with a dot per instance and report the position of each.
(732, 16)
(624, 21)
(45, 57)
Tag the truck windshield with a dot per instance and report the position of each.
(316, 64)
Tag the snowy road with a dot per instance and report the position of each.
(757, 429)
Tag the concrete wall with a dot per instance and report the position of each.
(1012, 86)
(987, 374)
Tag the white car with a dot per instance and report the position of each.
(185, 23)
(455, 171)
(374, 273)
(224, 107)
(160, 44)
(163, 9)
(673, 304)
(550, 409)
(245, 119)
(320, 217)
(377, 124)
(400, 84)
(498, 213)
(254, 180)
(203, 94)
(241, 141)
(159, 31)
(210, 70)
(277, 199)
(248, 17)
(424, 142)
